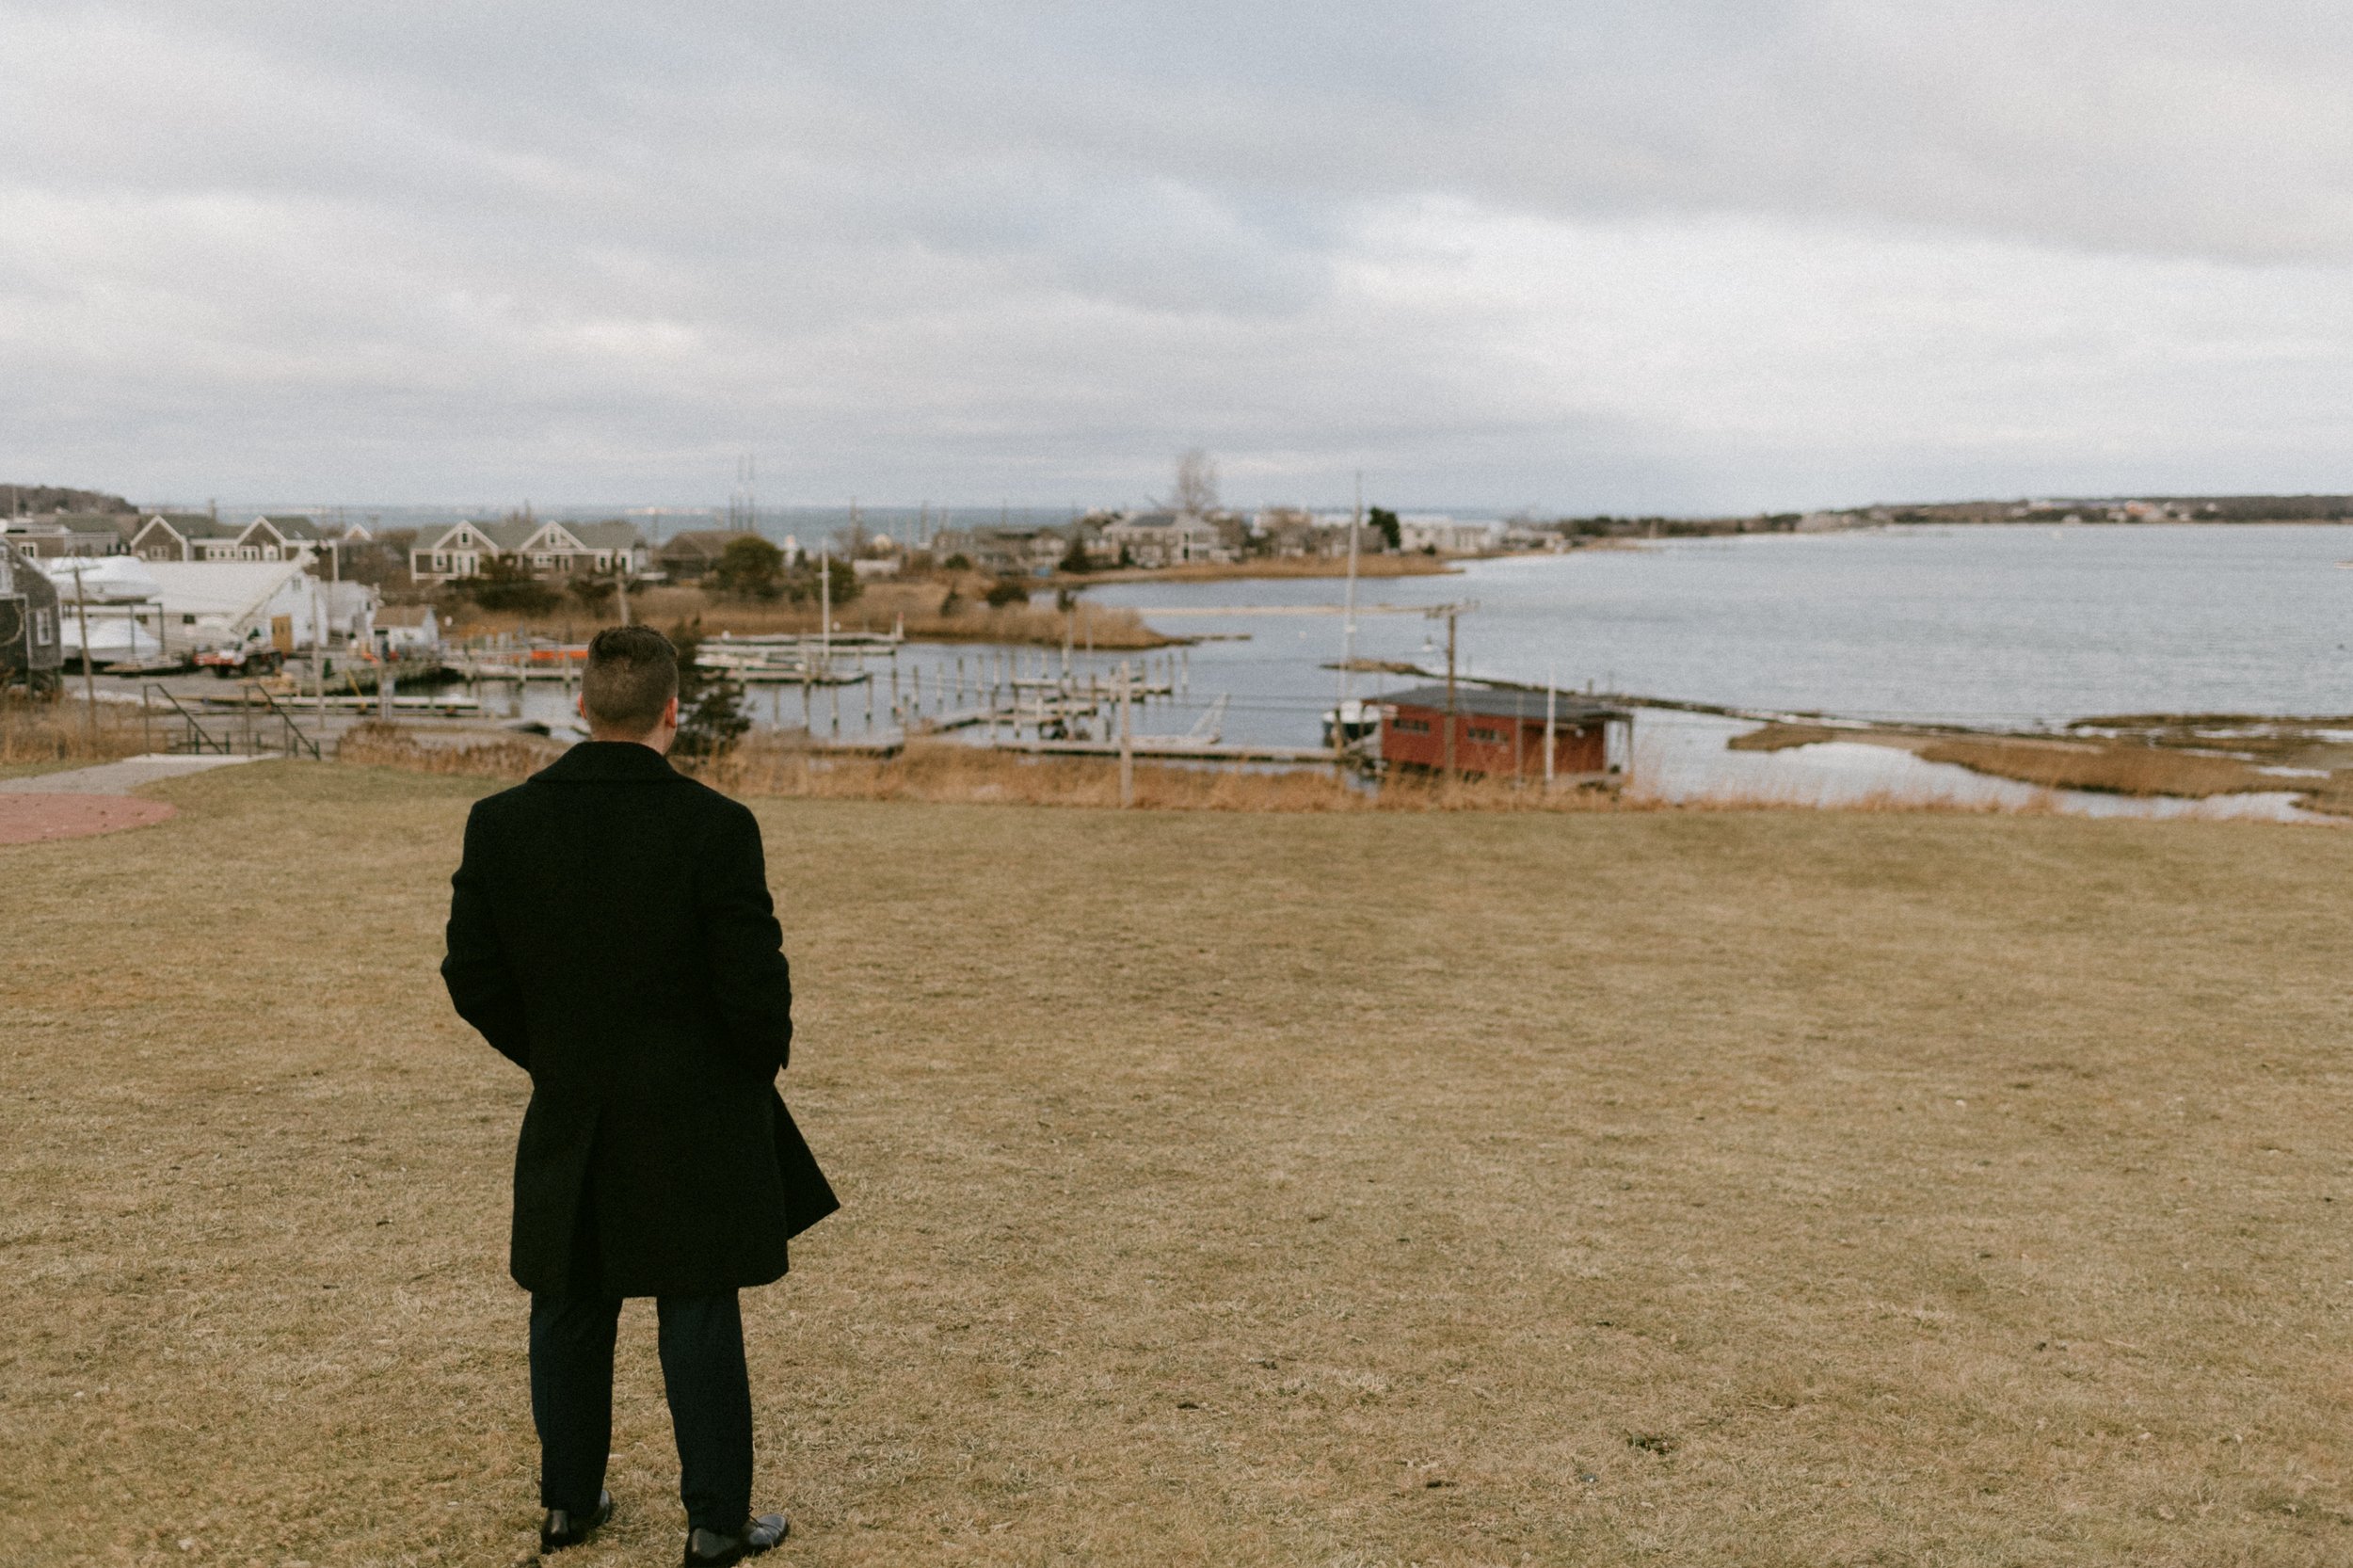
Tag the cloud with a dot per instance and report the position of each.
(1683, 256)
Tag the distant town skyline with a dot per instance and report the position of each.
(1691, 258)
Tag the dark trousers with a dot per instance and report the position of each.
(702, 1372)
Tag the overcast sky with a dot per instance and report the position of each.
(1679, 256)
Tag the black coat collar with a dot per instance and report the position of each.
(609, 762)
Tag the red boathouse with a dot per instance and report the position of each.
(1500, 735)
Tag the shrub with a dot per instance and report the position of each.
(503, 584)
(845, 586)
(710, 717)
(592, 592)
(750, 568)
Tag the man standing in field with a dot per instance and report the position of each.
(610, 931)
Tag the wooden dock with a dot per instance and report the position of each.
(1178, 748)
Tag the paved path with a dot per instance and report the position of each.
(114, 779)
(83, 803)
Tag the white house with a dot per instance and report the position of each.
(202, 604)
(407, 631)
(1165, 539)
(1442, 536)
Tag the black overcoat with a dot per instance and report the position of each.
(610, 931)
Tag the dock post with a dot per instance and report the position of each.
(1519, 740)
(1127, 743)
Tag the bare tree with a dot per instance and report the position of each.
(1196, 483)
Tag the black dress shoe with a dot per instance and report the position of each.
(706, 1548)
(562, 1527)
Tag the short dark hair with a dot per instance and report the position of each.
(631, 676)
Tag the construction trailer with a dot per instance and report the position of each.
(32, 644)
(1500, 733)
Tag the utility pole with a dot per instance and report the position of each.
(318, 660)
(1348, 621)
(1449, 696)
(1127, 743)
(824, 606)
(1448, 613)
(335, 580)
(89, 682)
(620, 584)
(1551, 704)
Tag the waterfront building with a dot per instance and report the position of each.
(688, 557)
(407, 631)
(1165, 539)
(203, 536)
(89, 533)
(31, 634)
(1500, 733)
(1442, 536)
(542, 548)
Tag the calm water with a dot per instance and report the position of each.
(1993, 626)
(1990, 625)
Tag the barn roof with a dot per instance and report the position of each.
(1491, 702)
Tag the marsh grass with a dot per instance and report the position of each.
(943, 771)
(2123, 770)
(1773, 1187)
(2125, 767)
(879, 607)
(1285, 568)
(64, 732)
(375, 744)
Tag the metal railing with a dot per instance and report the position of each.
(195, 738)
(282, 736)
(294, 742)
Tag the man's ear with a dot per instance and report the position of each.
(669, 715)
(580, 705)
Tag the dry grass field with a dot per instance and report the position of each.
(942, 771)
(1778, 1189)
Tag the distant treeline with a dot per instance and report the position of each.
(1603, 526)
(2140, 508)
(2126, 510)
(24, 499)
